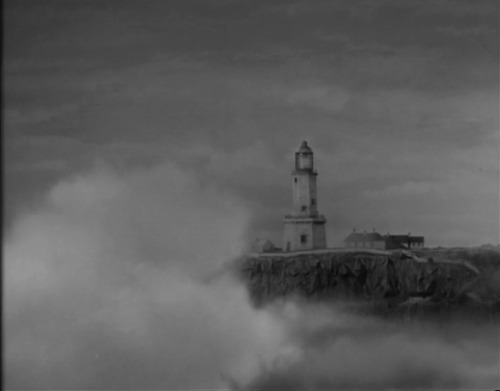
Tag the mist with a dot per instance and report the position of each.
(118, 282)
(106, 286)
(335, 348)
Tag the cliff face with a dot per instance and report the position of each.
(396, 281)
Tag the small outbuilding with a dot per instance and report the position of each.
(264, 246)
(403, 242)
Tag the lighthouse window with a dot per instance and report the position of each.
(295, 180)
(303, 238)
(313, 202)
(304, 208)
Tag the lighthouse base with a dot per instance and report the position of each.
(304, 233)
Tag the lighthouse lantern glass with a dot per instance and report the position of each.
(305, 161)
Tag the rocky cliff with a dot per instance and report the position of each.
(433, 282)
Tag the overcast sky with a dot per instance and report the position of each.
(399, 101)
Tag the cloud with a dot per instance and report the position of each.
(456, 8)
(409, 188)
(382, 101)
(37, 116)
(323, 97)
(468, 31)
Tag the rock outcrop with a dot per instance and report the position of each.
(398, 281)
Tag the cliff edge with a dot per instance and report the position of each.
(430, 281)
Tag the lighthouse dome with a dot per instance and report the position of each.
(304, 147)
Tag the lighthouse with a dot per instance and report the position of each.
(304, 228)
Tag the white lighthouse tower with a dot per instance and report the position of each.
(304, 227)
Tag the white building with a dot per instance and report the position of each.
(304, 227)
(386, 242)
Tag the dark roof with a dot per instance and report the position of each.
(405, 238)
(375, 236)
(364, 237)
(391, 243)
(398, 238)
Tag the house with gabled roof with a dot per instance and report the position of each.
(365, 240)
(385, 242)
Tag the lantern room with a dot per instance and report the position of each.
(304, 158)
